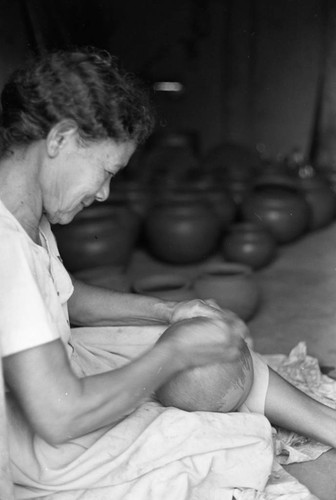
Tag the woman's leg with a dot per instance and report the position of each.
(288, 407)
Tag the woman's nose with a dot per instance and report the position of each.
(103, 192)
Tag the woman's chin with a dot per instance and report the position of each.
(64, 218)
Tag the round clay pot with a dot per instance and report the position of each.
(101, 235)
(249, 243)
(231, 285)
(164, 286)
(221, 387)
(282, 209)
(182, 228)
(321, 199)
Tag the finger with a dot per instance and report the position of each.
(213, 303)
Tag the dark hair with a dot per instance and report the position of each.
(83, 85)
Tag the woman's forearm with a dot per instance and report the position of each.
(61, 406)
(96, 306)
(110, 396)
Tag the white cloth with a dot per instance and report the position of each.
(154, 453)
(30, 307)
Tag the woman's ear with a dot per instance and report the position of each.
(59, 135)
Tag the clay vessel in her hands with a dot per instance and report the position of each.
(221, 387)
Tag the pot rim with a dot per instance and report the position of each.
(232, 268)
(160, 280)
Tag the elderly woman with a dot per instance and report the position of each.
(83, 422)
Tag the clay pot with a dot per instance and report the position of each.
(220, 387)
(232, 286)
(164, 286)
(321, 199)
(101, 235)
(249, 243)
(280, 208)
(182, 228)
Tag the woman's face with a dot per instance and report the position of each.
(79, 175)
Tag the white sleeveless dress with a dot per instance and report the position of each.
(155, 453)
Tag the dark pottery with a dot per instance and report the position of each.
(101, 235)
(182, 228)
(282, 209)
(249, 243)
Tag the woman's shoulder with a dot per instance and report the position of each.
(13, 236)
(8, 223)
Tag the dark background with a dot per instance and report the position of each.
(251, 69)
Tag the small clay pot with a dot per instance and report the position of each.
(222, 387)
(231, 285)
(164, 286)
(249, 243)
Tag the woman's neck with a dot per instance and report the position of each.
(20, 191)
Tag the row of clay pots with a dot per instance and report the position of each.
(283, 209)
(183, 226)
(232, 285)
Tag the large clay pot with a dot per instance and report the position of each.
(101, 235)
(164, 286)
(220, 387)
(232, 286)
(182, 228)
(321, 199)
(249, 243)
(282, 209)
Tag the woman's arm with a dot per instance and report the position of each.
(96, 306)
(61, 406)
(92, 305)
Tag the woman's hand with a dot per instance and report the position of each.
(200, 341)
(209, 309)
